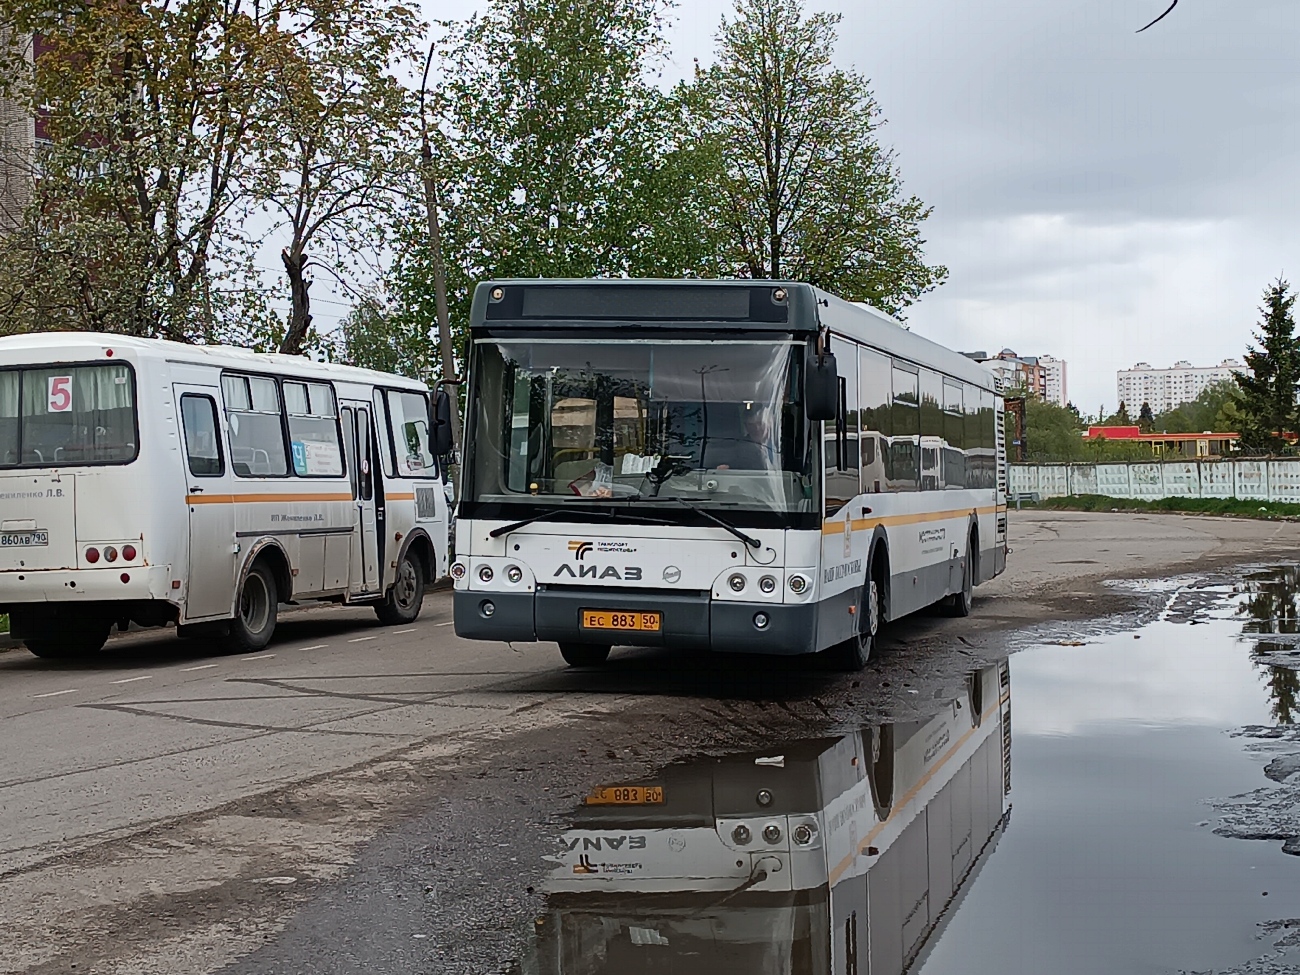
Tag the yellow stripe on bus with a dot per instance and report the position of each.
(401, 497)
(262, 498)
(862, 524)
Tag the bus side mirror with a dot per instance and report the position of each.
(441, 423)
(821, 393)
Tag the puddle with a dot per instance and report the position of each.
(1156, 782)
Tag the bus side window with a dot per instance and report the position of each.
(350, 448)
(905, 423)
(875, 396)
(202, 445)
(841, 435)
(365, 459)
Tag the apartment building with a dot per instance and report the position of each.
(1043, 376)
(1166, 389)
(17, 152)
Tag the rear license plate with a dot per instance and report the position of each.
(626, 795)
(606, 619)
(24, 539)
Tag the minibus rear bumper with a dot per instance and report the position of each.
(689, 622)
(121, 583)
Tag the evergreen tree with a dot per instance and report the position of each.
(1146, 419)
(1268, 405)
(1121, 417)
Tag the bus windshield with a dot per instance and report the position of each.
(67, 416)
(710, 423)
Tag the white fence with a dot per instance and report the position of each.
(1252, 480)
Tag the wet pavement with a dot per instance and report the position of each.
(1129, 808)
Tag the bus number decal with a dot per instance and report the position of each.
(60, 398)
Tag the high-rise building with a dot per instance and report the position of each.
(1043, 376)
(17, 149)
(1165, 389)
(1055, 390)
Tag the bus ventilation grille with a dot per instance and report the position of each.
(426, 504)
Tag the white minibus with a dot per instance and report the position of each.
(151, 482)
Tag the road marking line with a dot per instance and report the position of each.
(448, 623)
(260, 656)
(70, 690)
(411, 630)
(186, 670)
(363, 639)
(319, 646)
(128, 680)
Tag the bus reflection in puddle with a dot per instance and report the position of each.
(839, 855)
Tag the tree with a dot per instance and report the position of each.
(148, 106)
(375, 335)
(806, 191)
(1268, 402)
(1146, 419)
(1052, 433)
(326, 143)
(1210, 411)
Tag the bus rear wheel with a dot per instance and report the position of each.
(69, 641)
(404, 599)
(254, 623)
(959, 603)
(584, 654)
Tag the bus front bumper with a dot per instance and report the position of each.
(689, 622)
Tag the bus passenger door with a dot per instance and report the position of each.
(210, 574)
(363, 574)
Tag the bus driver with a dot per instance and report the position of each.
(755, 451)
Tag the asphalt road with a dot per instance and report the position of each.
(165, 810)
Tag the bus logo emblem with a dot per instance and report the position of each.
(579, 549)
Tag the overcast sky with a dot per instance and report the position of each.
(1099, 195)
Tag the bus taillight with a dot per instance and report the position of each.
(128, 553)
(92, 555)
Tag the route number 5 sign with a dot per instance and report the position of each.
(60, 400)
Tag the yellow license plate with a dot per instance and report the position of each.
(626, 795)
(607, 619)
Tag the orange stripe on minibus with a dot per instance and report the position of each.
(862, 524)
(262, 498)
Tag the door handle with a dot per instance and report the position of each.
(194, 489)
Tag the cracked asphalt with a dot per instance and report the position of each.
(361, 798)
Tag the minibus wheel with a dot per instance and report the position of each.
(584, 654)
(255, 614)
(70, 641)
(404, 599)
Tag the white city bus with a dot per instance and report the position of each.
(152, 482)
(731, 466)
(832, 856)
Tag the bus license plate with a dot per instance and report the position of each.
(626, 795)
(24, 539)
(606, 619)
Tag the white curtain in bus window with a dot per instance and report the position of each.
(253, 416)
(73, 415)
(314, 445)
(408, 417)
(9, 382)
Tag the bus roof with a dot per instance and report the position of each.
(741, 304)
(42, 347)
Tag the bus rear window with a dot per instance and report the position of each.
(67, 416)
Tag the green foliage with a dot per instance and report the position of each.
(377, 336)
(1052, 432)
(1146, 419)
(1267, 410)
(1213, 410)
(805, 190)
(4, 622)
(1265, 510)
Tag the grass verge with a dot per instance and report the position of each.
(4, 623)
(1231, 507)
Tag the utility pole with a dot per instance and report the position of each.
(445, 347)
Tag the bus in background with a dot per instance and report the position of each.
(831, 856)
(150, 482)
(749, 466)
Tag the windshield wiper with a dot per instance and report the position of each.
(552, 512)
(749, 540)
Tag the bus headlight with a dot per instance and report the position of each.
(767, 584)
(514, 573)
(772, 833)
(740, 835)
(803, 834)
(798, 584)
(458, 570)
(485, 574)
(736, 582)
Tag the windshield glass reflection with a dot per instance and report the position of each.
(837, 855)
(714, 423)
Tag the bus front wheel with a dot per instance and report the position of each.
(69, 641)
(404, 599)
(852, 655)
(584, 654)
(254, 621)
